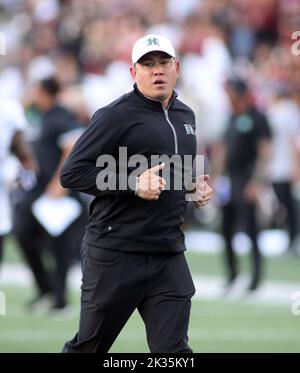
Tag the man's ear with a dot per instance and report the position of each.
(177, 67)
(133, 72)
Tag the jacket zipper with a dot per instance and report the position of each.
(172, 127)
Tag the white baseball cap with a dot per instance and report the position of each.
(151, 43)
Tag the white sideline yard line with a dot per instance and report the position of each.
(209, 288)
(270, 335)
(270, 292)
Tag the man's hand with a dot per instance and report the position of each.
(203, 191)
(151, 185)
(252, 191)
(23, 152)
(55, 190)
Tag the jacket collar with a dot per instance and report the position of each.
(154, 104)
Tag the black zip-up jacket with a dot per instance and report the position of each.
(119, 219)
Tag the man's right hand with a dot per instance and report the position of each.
(151, 185)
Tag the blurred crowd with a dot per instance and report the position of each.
(87, 47)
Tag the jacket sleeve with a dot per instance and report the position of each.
(80, 171)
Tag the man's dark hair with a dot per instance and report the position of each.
(50, 86)
(238, 85)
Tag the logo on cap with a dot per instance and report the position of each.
(152, 41)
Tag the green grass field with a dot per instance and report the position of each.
(220, 325)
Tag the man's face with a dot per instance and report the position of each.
(238, 100)
(156, 74)
(39, 97)
(232, 95)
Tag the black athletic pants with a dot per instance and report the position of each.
(115, 283)
(238, 212)
(34, 242)
(284, 195)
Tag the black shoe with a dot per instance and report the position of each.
(58, 305)
(228, 286)
(40, 303)
(60, 309)
(254, 284)
(231, 280)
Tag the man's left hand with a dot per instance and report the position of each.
(55, 190)
(252, 191)
(203, 191)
